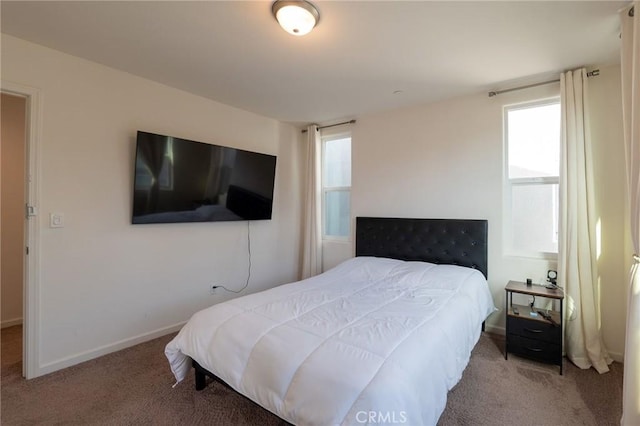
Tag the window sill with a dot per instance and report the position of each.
(338, 240)
(533, 256)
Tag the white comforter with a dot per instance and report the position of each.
(373, 340)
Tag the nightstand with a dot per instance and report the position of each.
(530, 336)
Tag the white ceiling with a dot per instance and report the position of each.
(355, 60)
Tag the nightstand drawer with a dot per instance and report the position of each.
(534, 329)
(535, 349)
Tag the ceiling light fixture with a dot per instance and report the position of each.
(297, 17)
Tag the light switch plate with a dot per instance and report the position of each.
(56, 220)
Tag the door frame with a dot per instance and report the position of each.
(31, 284)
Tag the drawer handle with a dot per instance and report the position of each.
(534, 349)
(530, 330)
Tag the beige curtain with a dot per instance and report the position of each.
(577, 270)
(312, 232)
(630, 63)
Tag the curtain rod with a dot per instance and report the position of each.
(498, 92)
(332, 125)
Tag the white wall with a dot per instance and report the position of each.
(12, 148)
(104, 283)
(445, 160)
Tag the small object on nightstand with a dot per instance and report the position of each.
(552, 277)
(529, 282)
(516, 311)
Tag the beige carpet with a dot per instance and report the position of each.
(133, 387)
(522, 392)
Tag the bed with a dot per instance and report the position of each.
(381, 338)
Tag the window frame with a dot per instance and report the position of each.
(509, 248)
(324, 138)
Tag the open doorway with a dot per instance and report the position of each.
(13, 186)
(22, 306)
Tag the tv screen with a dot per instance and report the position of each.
(178, 180)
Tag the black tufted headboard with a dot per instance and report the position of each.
(450, 241)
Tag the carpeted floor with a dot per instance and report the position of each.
(517, 391)
(133, 387)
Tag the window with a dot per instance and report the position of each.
(336, 187)
(532, 133)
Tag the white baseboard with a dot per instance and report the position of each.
(617, 357)
(494, 330)
(69, 361)
(10, 323)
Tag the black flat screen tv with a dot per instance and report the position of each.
(179, 180)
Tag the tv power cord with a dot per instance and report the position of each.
(249, 269)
